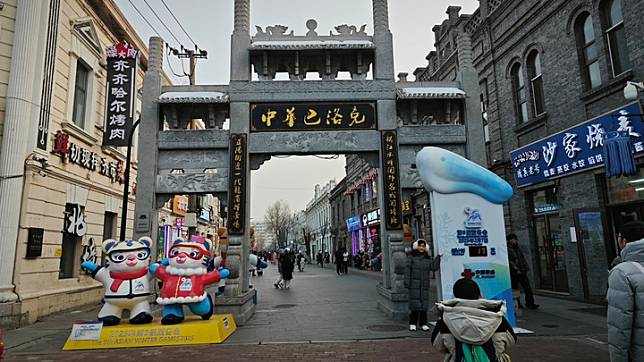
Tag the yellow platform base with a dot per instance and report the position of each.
(192, 331)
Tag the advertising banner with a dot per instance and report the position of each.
(120, 95)
(576, 149)
(469, 233)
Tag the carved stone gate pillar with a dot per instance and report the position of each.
(146, 220)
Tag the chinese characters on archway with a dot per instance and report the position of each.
(577, 149)
(313, 116)
(120, 94)
(391, 181)
(237, 180)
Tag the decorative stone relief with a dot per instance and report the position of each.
(257, 160)
(192, 159)
(196, 183)
(242, 15)
(193, 139)
(409, 178)
(272, 32)
(314, 142)
(352, 31)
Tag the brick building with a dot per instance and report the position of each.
(544, 67)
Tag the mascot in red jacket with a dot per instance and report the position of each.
(185, 276)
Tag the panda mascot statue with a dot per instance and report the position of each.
(126, 278)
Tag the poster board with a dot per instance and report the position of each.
(469, 233)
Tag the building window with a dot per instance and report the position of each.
(80, 94)
(520, 93)
(614, 25)
(588, 51)
(536, 82)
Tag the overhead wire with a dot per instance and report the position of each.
(178, 22)
(144, 18)
(162, 23)
(159, 34)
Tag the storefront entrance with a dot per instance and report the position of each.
(552, 266)
(551, 272)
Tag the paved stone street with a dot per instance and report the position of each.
(323, 317)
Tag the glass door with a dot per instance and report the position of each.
(543, 253)
(552, 265)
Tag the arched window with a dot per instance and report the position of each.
(614, 29)
(536, 82)
(520, 93)
(587, 46)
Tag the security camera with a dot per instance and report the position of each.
(632, 89)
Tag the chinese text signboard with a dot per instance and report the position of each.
(121, 94)
(34, 242)
(70, 152)
(390, 180)
(577, 149)
(313, 116)
(237, 180)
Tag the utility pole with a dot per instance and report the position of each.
(192, 56)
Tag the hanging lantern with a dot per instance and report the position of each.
(618, 154)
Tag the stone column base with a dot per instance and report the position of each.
(393, 304)
(242, 307)
(11, 315)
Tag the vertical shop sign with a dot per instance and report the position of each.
(390, 180)
(237, 184)
(120, 94)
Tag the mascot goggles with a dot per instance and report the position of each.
(195, 253)
(120, 256)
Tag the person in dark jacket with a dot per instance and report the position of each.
(417, 269)
(338, 261)
(626, 298)
(288, 265)
(519, 270)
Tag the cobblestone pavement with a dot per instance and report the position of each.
(329, 317)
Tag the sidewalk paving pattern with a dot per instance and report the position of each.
(329, 317)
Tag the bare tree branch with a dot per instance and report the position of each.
(278, 220)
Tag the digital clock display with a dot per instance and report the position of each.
(478, 251)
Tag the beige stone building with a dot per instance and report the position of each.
(57, 203)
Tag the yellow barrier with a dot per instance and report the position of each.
(192, 331)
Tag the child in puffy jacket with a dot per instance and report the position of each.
(471, 328)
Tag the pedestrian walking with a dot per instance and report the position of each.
(470, 328)
(345, 261)
(621, 243)
(288, 265)
(338, 261)
(300, 261)
(519, 271)
(319, 259)
(417, 269)
(279, 284)
(626, 298)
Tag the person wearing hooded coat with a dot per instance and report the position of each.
(626, 297)
(288, 265)
(471, 328)
(417, 269)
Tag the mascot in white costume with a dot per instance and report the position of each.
(126, 279)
